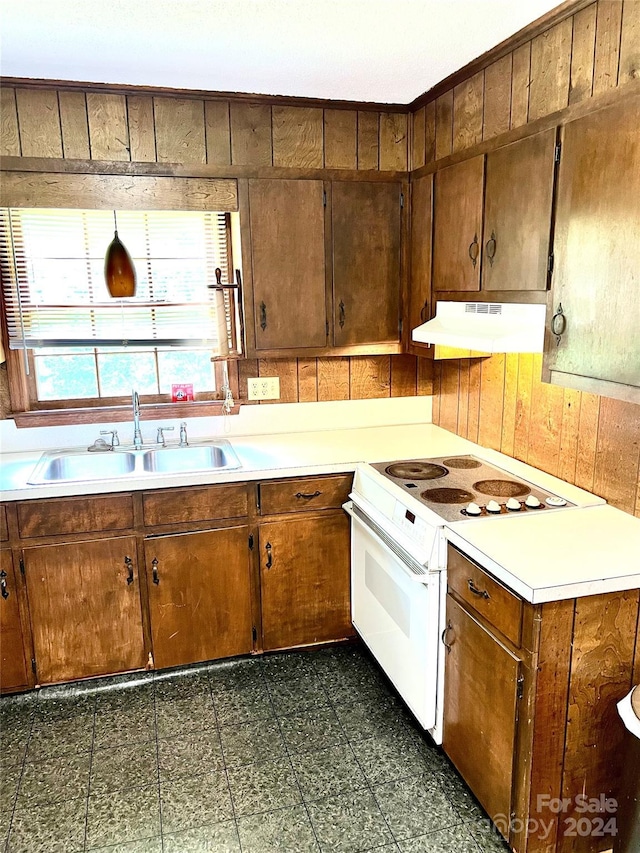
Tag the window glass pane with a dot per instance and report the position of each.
(66, 377)
(122, 371)
(178, 366)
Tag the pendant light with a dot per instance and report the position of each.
(119, 272)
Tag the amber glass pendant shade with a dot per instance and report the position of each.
(119, 272)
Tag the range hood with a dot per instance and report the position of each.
(485, 327)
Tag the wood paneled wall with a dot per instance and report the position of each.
(501, 402)
(93, 125)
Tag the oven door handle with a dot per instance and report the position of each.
(358, 517)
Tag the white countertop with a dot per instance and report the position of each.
(556, 555)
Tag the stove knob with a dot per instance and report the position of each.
(493, 506)
(473, 509)
(513, 505)
(532, 502)
(555, 501)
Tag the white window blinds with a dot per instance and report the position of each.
(52, 264)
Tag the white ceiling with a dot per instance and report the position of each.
(366, 50)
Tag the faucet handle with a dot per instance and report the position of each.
(183, 434)
(160, 439)
(115, 441)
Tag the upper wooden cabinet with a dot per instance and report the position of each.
(593, 339)
(288, 264)
(325, 267)
(492, 219)
(420, 257)
(365, 224)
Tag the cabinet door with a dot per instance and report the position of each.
(288, 264)
(366, 221)
(13, 665)
(596, 278)
(304, 576)
(420, 283)
(457, 227)
(517, 214)
(84, 599)
(480, 710)
(199, 595)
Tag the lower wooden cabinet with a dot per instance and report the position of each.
(13, 663)
(199, 595)
(304, 579)
(84, 601)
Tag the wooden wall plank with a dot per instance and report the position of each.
(368, 140)
(510, 403)
(418, 138)
(520, 78)
(523, 407)
(297, 137)
(607, 55)
(251, 134)
(180, 136)
(39, 122)
(404, 375)
(307, 380)
(473, 416)
(449, 393)
(369, 377)
(333, 378)
(394, 139)
(247, 369)
(444, 124)
(425, 377)
(569, 435)
(544, 432)
(217, 132)
(497, 97)
(587, 439)
(9, 136)
(467, 112)
(142, 131)
(430, 132)
(108, 126)
(437, 391)
(550, 70)
(584, 40)
(618, 453)
(629, 68)
(74, 125)
(491, 401)
(340, 139)
(463, 398)
(286, 369)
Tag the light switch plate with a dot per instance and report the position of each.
(264, 388)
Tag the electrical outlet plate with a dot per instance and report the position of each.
(264, 388)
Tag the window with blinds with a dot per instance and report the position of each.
(80, 343)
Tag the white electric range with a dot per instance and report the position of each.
(398, 558)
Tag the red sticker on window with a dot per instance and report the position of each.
(181, 393)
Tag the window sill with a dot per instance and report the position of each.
(120, 414)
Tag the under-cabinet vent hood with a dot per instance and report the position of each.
(485, 327)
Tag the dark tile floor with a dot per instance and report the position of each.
(307, 751)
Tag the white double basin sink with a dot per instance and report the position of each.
(68, 466)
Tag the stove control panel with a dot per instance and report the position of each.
(411, 525)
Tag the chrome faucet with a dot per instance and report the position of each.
(183, 435)
(137, 435)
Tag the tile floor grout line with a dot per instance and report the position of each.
(19, 785)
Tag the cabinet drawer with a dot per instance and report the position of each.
(4, 531)
(77, 515)
(193, 504)
(299, 495)
(486, 596)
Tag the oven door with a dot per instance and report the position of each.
(395, 611)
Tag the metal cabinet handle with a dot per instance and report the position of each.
(490, 247)
(301, 495)
(559, 324)
(481, 593)
(341, 316)
(474, 250)
(128, 564)
(3, 584)
(269, 562)
(444, 634)
(154, 571)
(263, 316)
